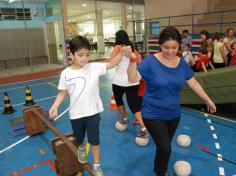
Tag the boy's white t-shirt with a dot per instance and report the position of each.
(83, 88)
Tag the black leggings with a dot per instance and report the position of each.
(162, 133)
(131, 92)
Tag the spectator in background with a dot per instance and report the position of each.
(207, 42)
(187, 55)
(228, 40)
(203, 61)
(186, 38)
(233, 54)
(219, 58)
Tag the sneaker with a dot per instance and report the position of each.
(143, 134)
(82, 157)
(124, 122)
(135, 122)
(97, 171)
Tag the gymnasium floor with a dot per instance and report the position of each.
(120, 155)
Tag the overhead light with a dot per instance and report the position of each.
(84, 5)
(10, 1)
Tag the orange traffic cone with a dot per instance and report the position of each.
(28, 98)
(8, 109)
(113, 103)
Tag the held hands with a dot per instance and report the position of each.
(128, 53)
(211, 106)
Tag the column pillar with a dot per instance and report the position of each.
(124, 21)
(138, 25)
(64, 19)
(99, 29)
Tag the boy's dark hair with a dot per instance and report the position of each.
(221, 35)
(122, 38)
(206, 33)
(187, 45)
(185, 31)
(203, 50)
(78, 42)
(170, 33)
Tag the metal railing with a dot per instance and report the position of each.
(211, 21)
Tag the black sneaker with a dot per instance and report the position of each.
(143, 134)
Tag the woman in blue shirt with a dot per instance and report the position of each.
(165, 75)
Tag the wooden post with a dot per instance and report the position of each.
(71, 146)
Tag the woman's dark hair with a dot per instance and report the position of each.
(170, 33)
(206, 33)
(79, 42)
(216, 36)
(122, 38)
(229, 29)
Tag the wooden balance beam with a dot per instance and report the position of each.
(35, 114)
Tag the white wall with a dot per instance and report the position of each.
(163, 8)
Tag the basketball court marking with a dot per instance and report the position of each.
(49, 162)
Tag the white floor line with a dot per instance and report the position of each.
(214, 136)
(209, 120)
(212, 128)
(28, 81)
(41, 99)
(217, 145)
(20, 87)
(51, 84)
(9, 147)
(221, 171)
(219, 157)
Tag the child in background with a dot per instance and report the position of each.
(203, 60)
(233, 54)
(80, 82)
(187, 55)
(219, 58)
(186, 38)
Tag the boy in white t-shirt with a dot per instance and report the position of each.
(81, 82)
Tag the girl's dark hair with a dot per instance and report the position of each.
(170, 33)
(122, 38)
(203, 50)
(204, 32)
(232, 45)
(79, 42)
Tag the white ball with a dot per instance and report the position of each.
(182, 168)
(183, 140)
(140, 141)
(120, 127)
